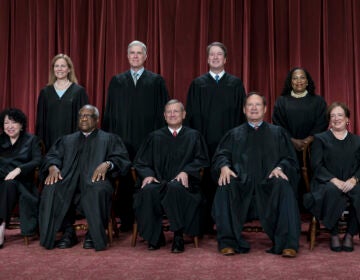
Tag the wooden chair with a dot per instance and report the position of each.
(165, 224)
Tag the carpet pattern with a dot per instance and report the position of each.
(121, 261)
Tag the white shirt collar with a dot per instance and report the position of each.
(219, 74)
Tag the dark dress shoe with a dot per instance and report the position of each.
(68, 240)
(161, 242)
(88, 243)
(227, 251)
(289, 253)
(335, 244)
(348, 243)
(178, 245)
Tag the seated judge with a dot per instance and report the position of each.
(257, 171)
(78, 168)
(20, 154)
(168, 164)
(335, 159)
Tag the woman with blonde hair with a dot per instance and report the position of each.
(59, 102)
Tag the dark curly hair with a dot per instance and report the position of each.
(13, 114)
(287, 85)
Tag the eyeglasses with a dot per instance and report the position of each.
(86, 116)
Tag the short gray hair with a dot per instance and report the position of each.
(174, 101)
(137, 43)
(93, 108)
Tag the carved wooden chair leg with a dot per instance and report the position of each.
(110, 231)
(313, 228)
(196, 242)
(26, 240)
(134, 234)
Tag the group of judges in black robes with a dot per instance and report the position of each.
(255, 178)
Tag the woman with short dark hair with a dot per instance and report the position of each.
(20, 154)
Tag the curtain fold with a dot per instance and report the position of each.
(265, 39)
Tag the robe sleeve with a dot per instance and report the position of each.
(321, 173)
(162, 99)
(223, 155)
(28, 167)
(321, 122)
(143, 161)
(108, 112)
(53, 157)
(118, 155)
(201, 158)
(41, 115)
(279, 116)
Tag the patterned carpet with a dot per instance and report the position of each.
(121, 261)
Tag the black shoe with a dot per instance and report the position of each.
(178, 244)
(348, 243)
(88, 243)
(160, 243)
(335, 244)
(68, 240)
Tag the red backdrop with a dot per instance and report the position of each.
(265, 38)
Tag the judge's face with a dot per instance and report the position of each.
(338, 119)
(216, 59)
(254, 109)
(61, 69)
(137, 57)
(12, 128)
(299, 81)
(174, 115)
(87, 120)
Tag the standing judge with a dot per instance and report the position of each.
(168, 165)
(299, 110)
(214, 105)
(134, 108)
(59, 102)
(135, 101)
(257, 172)
(77, 169)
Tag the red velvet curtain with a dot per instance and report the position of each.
(265, 38)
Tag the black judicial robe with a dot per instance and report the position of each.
(333, 158)
(164, 156)
(132, 112)
(214, 108)
(252, 155)
(58, 116)
(301, 117)
(25, 154)
(77, 157)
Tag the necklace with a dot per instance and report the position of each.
(64, 86)
(299, 95)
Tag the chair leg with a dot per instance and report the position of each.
(110, 232)
(134, 234)
(26, 240)
(313, 227)
(196, 242)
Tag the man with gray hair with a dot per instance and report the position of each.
(134, 108)
(78, 170)
(168, 165)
